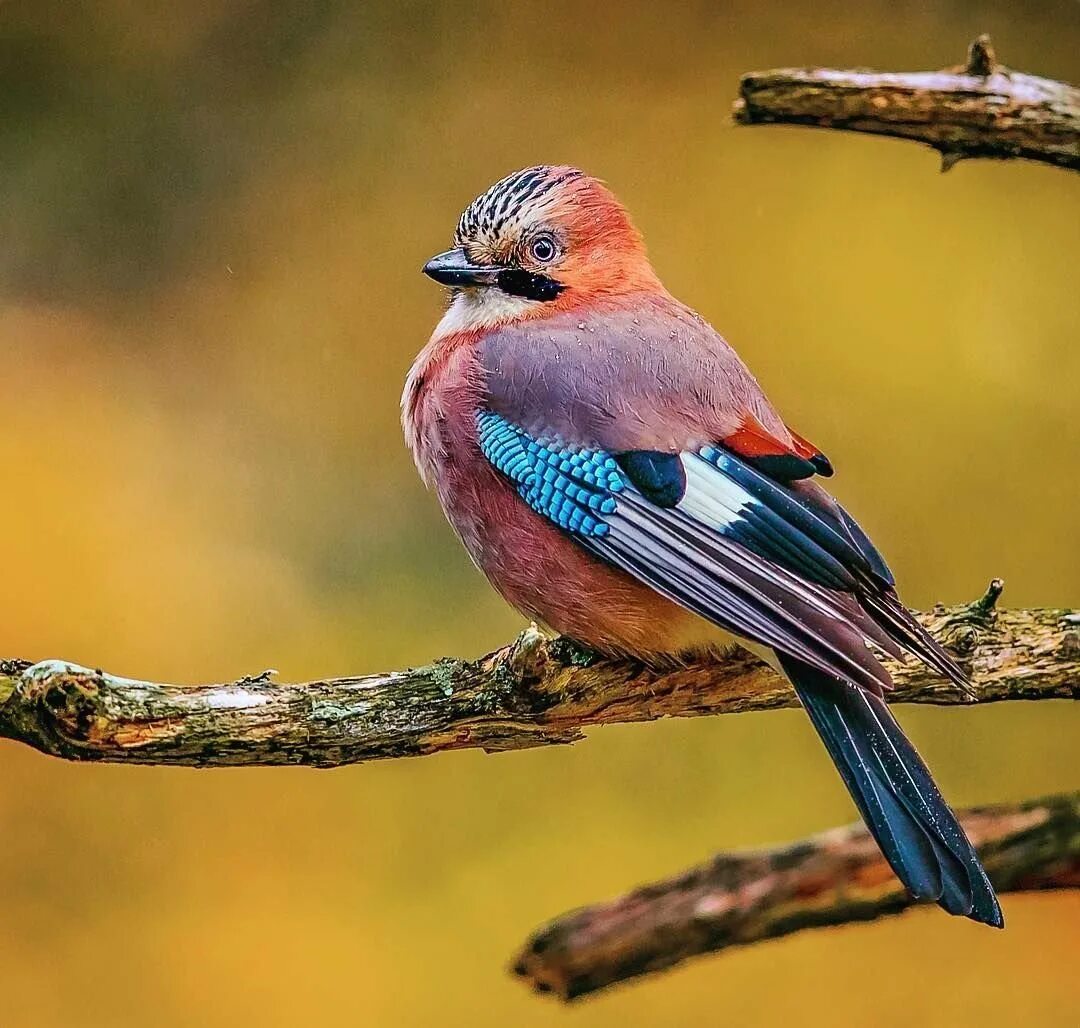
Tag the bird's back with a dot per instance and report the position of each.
(635, 371)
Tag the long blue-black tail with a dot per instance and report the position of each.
(895, 794)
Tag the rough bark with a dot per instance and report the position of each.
(978, 109)
(835, 878)
(531, 693)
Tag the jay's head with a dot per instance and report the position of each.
(540, 240)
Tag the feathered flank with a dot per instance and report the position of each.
(619, 475)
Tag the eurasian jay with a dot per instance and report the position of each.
(620, 477)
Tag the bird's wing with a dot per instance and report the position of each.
(785, 566)
(771, 562)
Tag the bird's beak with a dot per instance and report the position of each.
(453, 268)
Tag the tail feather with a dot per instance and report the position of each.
(898, 800)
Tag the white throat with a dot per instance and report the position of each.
(485, 307)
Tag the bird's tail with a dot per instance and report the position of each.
(896, 796)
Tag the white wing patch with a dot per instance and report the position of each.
(711, 499)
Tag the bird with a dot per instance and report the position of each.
(618, 474)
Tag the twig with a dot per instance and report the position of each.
(978, 109)
(835, 878)
(531, 693)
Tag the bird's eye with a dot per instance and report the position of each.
(543, 249)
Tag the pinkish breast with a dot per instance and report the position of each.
(536, 568)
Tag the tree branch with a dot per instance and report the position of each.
(531, 693)
(978, 109)
(835, 878)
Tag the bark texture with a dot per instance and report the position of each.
(978, 109)
(738, 899)
(531, 693)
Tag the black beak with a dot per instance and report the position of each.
(453, 268)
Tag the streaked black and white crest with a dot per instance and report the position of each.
(496, 214)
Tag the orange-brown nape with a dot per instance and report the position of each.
(603, 252)
(548, 238)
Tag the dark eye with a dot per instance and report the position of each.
(543, 249)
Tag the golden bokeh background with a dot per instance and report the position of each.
(213, 217)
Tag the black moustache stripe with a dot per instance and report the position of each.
(525, 284)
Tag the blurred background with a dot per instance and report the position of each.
(213, 218)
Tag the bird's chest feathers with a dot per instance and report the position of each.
(439, 404)
(443, 393)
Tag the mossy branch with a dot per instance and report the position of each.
(533, 692)
(539, 691)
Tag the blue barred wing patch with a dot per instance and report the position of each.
(573, 486)
(576, 488)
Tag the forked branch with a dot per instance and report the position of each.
(977, 109)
